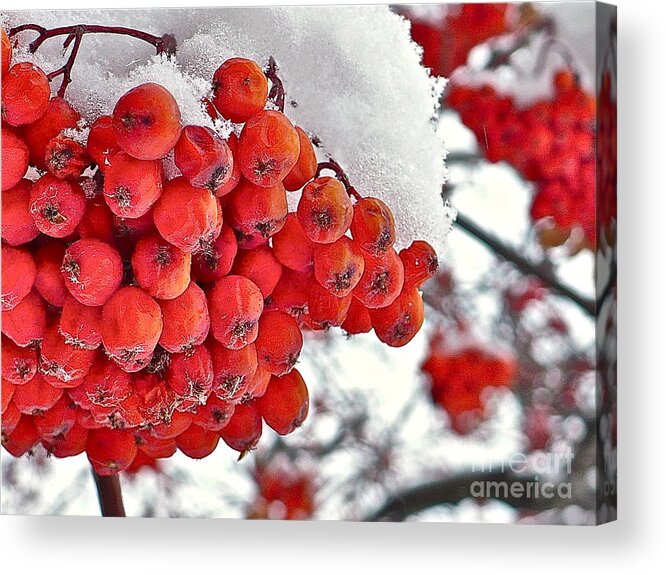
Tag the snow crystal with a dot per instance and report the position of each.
(352, 76)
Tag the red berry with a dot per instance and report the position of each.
(292, 247)
(25, 94)
(18, 276)
(215, 259)
(325, 210)
(240, 89)
(268, 148)
(256, 213)
(6, 393)
(338, 267)
(382, 281)
(97, 221)
(18, 225)
(235, 305)
(190, 376)
(15, 159)
(197, 442)
(373, 226)
(258, 385)
(131, 324)
(173, 426)
(10, 418)
(291, 294)
(59, 116)
(186, 320)
(25, 324)
(325, 310)
(36, 396)
(305, 167)
(57, 420)
(420, 263)
(397, 324)
(105, 387)
(243, 430)
(102, 144)
(358, 319)
(131, 186)
(49, 282)
(259, 266)
(279, 342)
(69, 444)
(92, 271)
(62, 364)
(80, 324)
(186, 216)
(215, 414)
(285, 404)
(19, 364)
(110, 450)
(204, 159)
(147, 122)
(233, 370)
(66, 158)
(160, 268)
(22, 438)
(57, 206)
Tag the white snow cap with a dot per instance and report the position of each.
(352, 72)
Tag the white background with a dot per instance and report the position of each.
(78, 545)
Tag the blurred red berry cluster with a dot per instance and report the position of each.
(458, 375)
(550, 142)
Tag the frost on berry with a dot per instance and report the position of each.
(25, 324)
(92, 271)
(235, 305)
(57, 206)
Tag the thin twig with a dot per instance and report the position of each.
(332, 165)
(525, 265)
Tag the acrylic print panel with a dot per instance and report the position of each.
(343, 269)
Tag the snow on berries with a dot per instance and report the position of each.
(157, 290)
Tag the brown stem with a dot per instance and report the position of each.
(336, 168)
(276, 95)
(525, 265)
(110, 495)
(165, 44)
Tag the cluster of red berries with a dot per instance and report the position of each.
(448, 39)
(550, 142)
(284, 492)
(142, 314)
(458, 376)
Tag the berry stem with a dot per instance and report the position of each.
(110, 495)
(336, 168)
(165, 44)
(276, 95)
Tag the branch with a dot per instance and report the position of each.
(526, 265)
(452, 490)
(165, 44)
(276, 95)
(110, 495)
